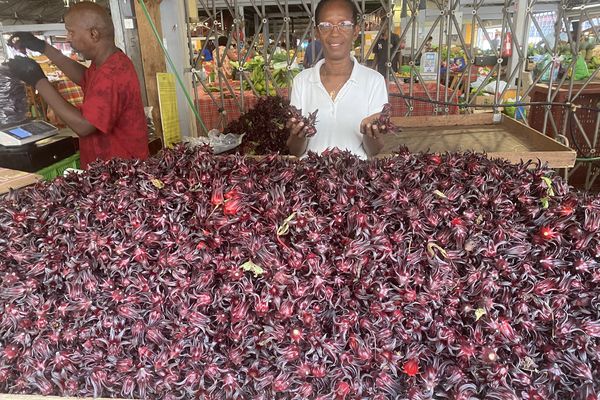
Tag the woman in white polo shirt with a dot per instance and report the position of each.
(348, 95)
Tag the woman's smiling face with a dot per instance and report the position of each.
(338, 40)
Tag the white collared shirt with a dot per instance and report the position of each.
(338, 121)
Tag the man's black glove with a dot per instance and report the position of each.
(25, 40)
(26, 70)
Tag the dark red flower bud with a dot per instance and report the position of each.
(411, 367)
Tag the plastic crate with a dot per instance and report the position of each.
(58, 168)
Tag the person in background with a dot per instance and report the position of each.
(206, 56)
(381, 52)
(222, 56)
(495, 42)
(207, 53)
(111, 122)
(428, 44)
(313, 53)
(249, 50)
(347, 95)
(427, 47)
(280, 47)
(402, 47)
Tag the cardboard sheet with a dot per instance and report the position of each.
(10, 178)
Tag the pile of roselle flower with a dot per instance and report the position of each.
(194, 276)
(265, 126)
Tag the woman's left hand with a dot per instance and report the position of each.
(369, 127)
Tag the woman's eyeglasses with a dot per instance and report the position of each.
(327, 27)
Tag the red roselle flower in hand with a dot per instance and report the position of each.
(309, 122)
(411, 367)
(384, 123)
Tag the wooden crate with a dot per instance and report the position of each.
(507, 139)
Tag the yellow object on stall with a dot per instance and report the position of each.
(468, 32)
(168, 108)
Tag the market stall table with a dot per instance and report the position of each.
(400, 108)
(508, 139)
(460, 80)
(217, 113)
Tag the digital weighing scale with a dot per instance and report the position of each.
(28, 132)
(33, 145)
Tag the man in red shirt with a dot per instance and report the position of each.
(111, 122)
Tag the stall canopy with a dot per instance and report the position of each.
(18, 12)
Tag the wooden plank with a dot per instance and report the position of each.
(446, 120)
(153, 60)
(478, 138)
(552, 159)
(532, 136)
(509, 140)
(13, 179)
(556, 154)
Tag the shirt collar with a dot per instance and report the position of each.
(315, 76)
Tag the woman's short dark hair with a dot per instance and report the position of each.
(222, 41)
(349, 3)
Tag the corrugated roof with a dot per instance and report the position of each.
(34, 11)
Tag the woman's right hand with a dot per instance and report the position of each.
(297, 140)
(296, 128)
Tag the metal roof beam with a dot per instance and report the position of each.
(33, 28)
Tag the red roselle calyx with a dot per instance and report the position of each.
(190, 275)
(384, 123)
(265, 126)
(411, 367)
(309, 121)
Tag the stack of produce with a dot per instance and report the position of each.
(280, 73)
(266, 126)
(193, 276)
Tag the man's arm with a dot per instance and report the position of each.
(71, 68)
(25, 40)
(68, 113)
